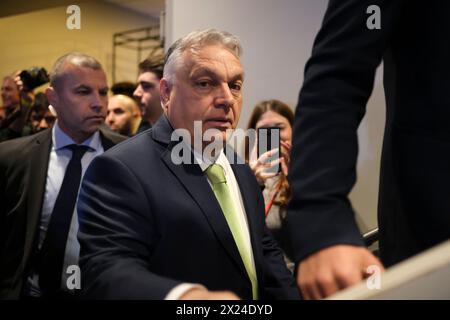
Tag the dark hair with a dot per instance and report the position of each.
(155, 66)
(270, 105)
(40, 102)
(125, 88)
(284, 110)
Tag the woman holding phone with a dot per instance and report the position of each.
(270, 115)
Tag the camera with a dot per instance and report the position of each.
(34, 77)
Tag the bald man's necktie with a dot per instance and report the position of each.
(53, 249)
(216, 175)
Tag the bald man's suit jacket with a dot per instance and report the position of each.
(23, 172)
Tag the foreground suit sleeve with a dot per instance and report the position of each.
(338, 82)
(112, 226)
(275, 286)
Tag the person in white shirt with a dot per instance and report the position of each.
(39, 181)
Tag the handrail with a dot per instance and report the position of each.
(370, 237)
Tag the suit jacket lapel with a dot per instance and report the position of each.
(39, 158)
(109, 138)
(106, 143)
(197, 186)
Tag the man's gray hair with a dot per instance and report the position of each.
(196, 40)
(74, 58)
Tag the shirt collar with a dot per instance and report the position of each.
(221, 160)
(61, 140)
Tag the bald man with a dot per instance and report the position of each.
(39, 181)
(123, 115)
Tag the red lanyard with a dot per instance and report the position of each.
(270, 203)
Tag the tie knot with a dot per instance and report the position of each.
(78, 150)
(216, 174)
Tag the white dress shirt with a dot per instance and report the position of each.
(59, 160)
(221, 160)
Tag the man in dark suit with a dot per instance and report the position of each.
(193, 230)
(38, 185)
(414, 205)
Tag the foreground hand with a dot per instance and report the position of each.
(203, 294)
(332, 269)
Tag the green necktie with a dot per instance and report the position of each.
(216, 175)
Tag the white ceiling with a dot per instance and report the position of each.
(151, 8)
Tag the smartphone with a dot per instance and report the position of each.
(269, 139)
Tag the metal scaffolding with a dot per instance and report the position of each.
(140, 40)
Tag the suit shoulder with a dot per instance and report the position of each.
(114, 137)
(128, 150)
(20, 146)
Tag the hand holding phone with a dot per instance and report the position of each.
(269, 140)
(265, 160)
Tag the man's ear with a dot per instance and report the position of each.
(164, 92)
(52, 97)
(135, 113)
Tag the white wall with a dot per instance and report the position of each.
(277, 37)
(39, 38)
